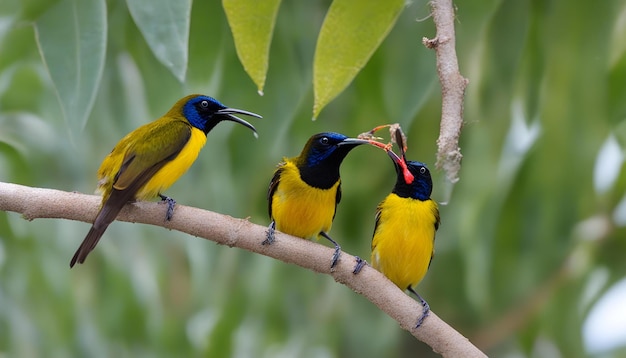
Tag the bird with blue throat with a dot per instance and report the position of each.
(305, 190)
(151, 158)
(403, 243)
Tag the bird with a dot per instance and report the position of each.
(403, 242)
(305, 190)
(151, 158)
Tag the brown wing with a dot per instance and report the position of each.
(377, 221)
(161, 141)
(337, 198)
(437, 222)
(272, 188)
(154, 145)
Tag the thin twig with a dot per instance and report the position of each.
(36, 203)
(453, 86)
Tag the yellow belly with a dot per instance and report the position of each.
(173, 170)
(299, 209)
(403, 242)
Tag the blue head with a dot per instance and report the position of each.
(321, 157)
(414, 179)
(205, 112)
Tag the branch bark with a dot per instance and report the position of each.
(453, 86)
(36, 203)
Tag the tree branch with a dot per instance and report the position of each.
(453, 86)
(35, 203)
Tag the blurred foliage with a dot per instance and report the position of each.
(531, 237)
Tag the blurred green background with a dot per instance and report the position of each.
(532, 237)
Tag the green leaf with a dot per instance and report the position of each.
(252, 23)
(33, 9)
(72, 38)
(352, 31)
(165, 26)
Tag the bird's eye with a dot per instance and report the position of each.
(324, 140)
(422, 170)
(204, 104)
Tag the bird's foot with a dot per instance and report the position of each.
(170, 206)
(337, 253)
(425, 312)
(425, 308)
(269, 239)
(360, 263)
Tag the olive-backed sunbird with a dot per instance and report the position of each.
(403, 243)
(305, 190)
(151, 158)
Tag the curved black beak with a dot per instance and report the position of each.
(228, 114)
(401, 166)
(396, 159)
(353, 142)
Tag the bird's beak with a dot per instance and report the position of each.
(400, 163)
(396, 159)
(353, 142)
(228, 114)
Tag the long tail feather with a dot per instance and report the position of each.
(105, 217)
(88, 244)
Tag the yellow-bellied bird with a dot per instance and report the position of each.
(305, 190)
(152, 157)
(403, 244)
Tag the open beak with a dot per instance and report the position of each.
(353, 142)
(229, 114)
(400, 163)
